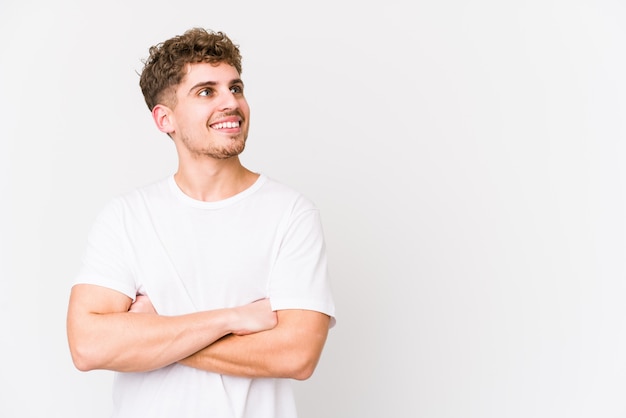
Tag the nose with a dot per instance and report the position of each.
(228, 100)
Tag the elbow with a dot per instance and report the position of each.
(81, 358)
(300, 367)
(300, 347)
(82, 347)
(303, 373)
(81, 366)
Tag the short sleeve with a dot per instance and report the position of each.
(300, 278)
(105, 261)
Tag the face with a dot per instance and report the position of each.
(211, 115)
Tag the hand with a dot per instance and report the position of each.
(254, 317)
(142, 304)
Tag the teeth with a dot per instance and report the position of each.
(226, 125)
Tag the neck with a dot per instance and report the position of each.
(216, 181)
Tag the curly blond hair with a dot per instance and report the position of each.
(166, 65)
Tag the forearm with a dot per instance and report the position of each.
(103, 334)
(141, 342)
(290, 350)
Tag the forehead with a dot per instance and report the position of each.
(210, 73)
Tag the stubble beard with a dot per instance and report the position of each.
(235, 147)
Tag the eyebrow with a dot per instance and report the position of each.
(214, 83)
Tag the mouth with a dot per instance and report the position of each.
(226, 124)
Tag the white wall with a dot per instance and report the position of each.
(467, 158)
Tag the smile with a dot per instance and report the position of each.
(225, 125)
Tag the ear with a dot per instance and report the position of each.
(163, 118)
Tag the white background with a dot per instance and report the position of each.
(467, 157)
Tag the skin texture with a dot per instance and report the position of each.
(279, 352)
(209, 125)
(137, 341)
(291, 350)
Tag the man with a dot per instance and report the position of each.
(207, 291)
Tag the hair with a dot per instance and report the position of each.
(167, 64)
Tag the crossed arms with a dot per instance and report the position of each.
(106, 331)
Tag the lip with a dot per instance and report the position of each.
(218, 125)
(230, 119)
(227, 119)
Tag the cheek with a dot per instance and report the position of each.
(192, 121)
(244, 108)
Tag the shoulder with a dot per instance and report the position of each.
(135, 199)
(285, 193)
(159, 189)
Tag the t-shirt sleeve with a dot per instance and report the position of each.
(105, 261)
(299, 278)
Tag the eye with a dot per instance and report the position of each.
(205, 92)
(236, 89)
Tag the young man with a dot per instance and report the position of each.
(206, 291)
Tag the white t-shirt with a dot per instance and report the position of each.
(188, 256)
